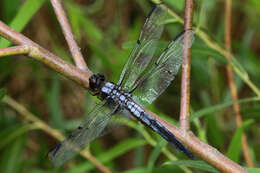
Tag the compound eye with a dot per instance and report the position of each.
(96, 82)
(93, 82)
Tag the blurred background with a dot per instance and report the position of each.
(106, 32)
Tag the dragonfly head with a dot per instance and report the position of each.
(96, 82)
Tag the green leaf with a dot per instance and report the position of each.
(234, 148)
(193, 164)
(27, 11)
(2, 93)
(215, 108)
(116, 151)
(155, 154)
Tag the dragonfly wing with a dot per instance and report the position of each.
(89, 129)
(158, 78)
(145, 47)
(121, 117)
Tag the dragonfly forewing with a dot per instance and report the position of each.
(145, 47)
(89, 130)
(158, 78)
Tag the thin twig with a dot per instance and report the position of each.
(74, 48)
(46, 57)
(15, 50)
(185, 78)
(53, 132)
(231, 82)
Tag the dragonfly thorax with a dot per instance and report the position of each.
(115, 93)
(108, 90)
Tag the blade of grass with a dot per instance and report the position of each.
(194, 164)
(155, 154)
(116, 151)
(215, 108)
(9, 10)
(136, 170)
(234, 148)
(54, 103)
(10, 134)
(2, 93)
(139, 155)
(91, 30)
(12, 156)
(37, 170)
(27, 11)
(253, 170)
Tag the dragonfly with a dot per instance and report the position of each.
(143, 78)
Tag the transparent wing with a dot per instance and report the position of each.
(154, 81)
(121, 117)
(145, 47)
(90, 129)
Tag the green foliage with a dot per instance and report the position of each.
(253, 170)
(234, 148)
(11, 159)
(10, 134)
(54, 100)
(22, 17)
(2, 93)
(106, 33)
(109, 155)
(212, 109)
(155, 154)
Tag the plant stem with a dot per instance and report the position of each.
(186, 65)
(67, 32)
(231, 82)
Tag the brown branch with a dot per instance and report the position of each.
(74, 48)
(15, 50)
(203, 150)
(185, 78)
(231, 82)
(46, 57)
(53, 132)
